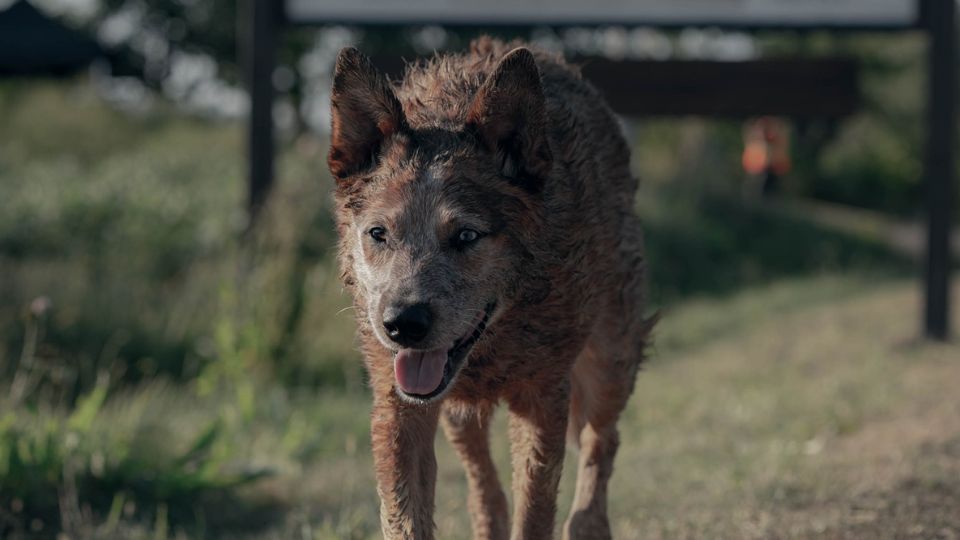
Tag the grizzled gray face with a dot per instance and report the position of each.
(428, 213)
(427, 256)
(432, 257)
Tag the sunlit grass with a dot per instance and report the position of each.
(753, 432)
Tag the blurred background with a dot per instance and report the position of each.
(172, 368)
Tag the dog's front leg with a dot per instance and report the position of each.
(538, 423)
(468, 432)
(406, 467)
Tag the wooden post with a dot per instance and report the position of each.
(940, 166)
(261, 33)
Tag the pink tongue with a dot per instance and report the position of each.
(419, 372)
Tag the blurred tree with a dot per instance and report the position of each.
(159, 29)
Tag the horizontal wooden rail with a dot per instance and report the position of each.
(798, 88)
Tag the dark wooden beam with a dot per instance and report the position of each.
(799, 88)
(941, 161)
(795, 87)
(261, 49)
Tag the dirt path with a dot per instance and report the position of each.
(905, 477)
(829, 422)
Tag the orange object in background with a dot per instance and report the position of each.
(766, 151)
(755, 157)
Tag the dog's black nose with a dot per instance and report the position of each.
(407, 325)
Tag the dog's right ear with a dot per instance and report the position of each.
(364, 112)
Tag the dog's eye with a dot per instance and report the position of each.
(378, 233)
(466, 237)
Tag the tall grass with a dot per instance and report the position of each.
(142, 346)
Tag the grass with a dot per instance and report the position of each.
(159, 379)
(776, 428)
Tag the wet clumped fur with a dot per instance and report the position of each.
(488, 237)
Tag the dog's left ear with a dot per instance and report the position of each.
(508, 115)
(364, 111)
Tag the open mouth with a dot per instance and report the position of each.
(419, 371)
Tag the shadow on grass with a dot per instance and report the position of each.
(720, 245)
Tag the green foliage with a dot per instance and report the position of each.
(111, 233)
(718, 245)
(145, 447)
(870, 165)
(873, 159)
(141, 341)
(86, 131)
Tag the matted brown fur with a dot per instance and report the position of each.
(510, 143)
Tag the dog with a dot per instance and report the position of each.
(484, 206)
